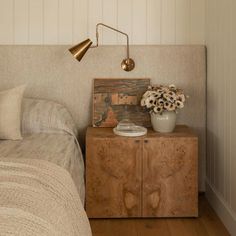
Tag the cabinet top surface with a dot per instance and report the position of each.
(180, 131)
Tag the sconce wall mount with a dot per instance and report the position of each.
(80, 49)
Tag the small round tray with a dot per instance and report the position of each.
(135, 132)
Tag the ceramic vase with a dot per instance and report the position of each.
(165, 122)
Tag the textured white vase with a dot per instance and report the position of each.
(164, 123)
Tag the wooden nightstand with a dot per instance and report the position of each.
(150, 176)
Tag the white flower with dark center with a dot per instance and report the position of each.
(179, 104)
(166, 96)
(160, 92)
(171, 98)
(158, 109)
(181, 97)
(171, 93)
(157, 95)
(160, 101)
(147, 93)
(143, 102)
(150, 102)
(172, 107)
(153, 93)
(172, 86)
(165, 89)
(166, 105)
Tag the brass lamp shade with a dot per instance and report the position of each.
(80, 49)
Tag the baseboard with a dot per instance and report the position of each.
(227, 216)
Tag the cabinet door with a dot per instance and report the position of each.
(113, 178)
(170, 186)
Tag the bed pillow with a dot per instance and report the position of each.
(44, 116)
(10, 113)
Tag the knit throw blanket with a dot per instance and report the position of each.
(38, 198)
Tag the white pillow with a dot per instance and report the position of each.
(10, 113)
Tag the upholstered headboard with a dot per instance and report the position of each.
(52, 73)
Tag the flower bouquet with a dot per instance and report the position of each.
(162, 102)
(163, 98)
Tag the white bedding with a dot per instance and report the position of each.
(60, 149)
(38, 198)
(37, 194)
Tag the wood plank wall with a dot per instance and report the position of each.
(221, 115)
(70, 21)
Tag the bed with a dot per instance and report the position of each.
(42, 175)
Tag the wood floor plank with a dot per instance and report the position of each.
(177, 228)
(114, 227)
(195, 227)
(211, 221)
(152, 227)
(103, 234)
(207, 224)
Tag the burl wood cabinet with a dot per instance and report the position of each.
(150, 176)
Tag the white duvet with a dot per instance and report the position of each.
(38, 198)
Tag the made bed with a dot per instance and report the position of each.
(42, 175)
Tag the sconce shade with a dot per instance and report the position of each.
(80, 49)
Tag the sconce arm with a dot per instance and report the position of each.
(111, 28)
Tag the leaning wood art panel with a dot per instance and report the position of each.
(117, 99)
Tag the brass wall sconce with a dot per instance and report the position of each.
(79, 50)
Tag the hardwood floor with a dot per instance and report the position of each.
(208, 224)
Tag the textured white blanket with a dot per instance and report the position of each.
(38, 198)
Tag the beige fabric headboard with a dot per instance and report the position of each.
(52, 73)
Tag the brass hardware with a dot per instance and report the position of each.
(80, 49)
(128, 64)
(145, 141)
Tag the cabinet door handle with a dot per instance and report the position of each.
(145, 141)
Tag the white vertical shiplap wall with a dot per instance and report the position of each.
(36, 22)
(109, 10)
(70, 21)
(124, 19)
(154, 21)
(20, 26)
(221, 114)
